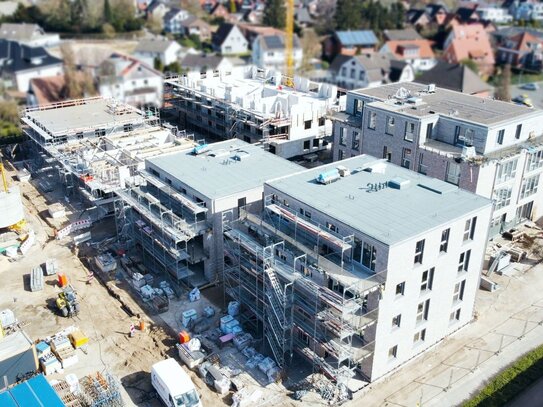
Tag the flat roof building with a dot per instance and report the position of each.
(486, 146)
(357, 266)
(174, 218)
(288, 116)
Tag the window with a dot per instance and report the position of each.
(353, 73)
(389, 129)
(242, 202)
(463, 261)
(343, 71)
(356, 140)
(502, 197)
(422, 311)
(469, 229)
(305, 213)
(507, 171)
(458, 294)
(534, 160)
(422, 168)
(128, 127)
(406, 158)
(361, 76)
(518, 131)
(100, 132)
(419, 336)
(409, 131)
(322, 121)
(529, 186)
(316, 142)
(342, 137)
(386, 154)
(455, 315)
(372, 120)
(444, 245)
(419, 251)
(307, 144)
(392, 352)
(358, 105)
(369, 256)
(501, 134)
(452, 174)
(396, 321)
(400, 288)
(332, 227)
(427, 279)
(340, 155)
(307, 124)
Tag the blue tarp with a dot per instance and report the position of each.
(36, 392)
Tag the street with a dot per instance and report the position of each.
(535, 95)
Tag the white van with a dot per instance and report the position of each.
(173, 385)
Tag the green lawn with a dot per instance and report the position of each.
(510, 382)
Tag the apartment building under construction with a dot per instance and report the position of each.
(289, 116)
(357, 268)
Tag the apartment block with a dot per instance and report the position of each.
(288, 116)
(173, 218)
(485, 146)
(357, 266)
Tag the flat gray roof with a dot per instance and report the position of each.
(389, 215)
(216, 173)
(92, 113)
(447, 103)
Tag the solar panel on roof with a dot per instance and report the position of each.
(357, 37)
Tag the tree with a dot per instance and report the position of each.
(470, 63)
(108, 13)
(158, 65)
(275, 14)
(74, 89)
(348, 14)
(503, 91)
(108, 30)
(78, 14)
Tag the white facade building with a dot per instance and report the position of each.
(163, 49)
(495, 14)
(485, 146)
(257, 106)
(268, 52)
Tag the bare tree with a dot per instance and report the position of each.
(73, 84)
(503, 90)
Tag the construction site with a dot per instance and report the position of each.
(289, 116)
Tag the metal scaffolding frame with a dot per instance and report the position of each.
(333, 327)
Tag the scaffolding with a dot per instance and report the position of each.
(308, 301)
(164, 226)
(95, 390)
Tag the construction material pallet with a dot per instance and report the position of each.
(36, 279)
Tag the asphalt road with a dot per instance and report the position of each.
(532, 397)
(535, 95)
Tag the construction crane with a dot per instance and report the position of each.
(17, 227)
(289, 42)
(4, 179)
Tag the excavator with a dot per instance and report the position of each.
(67, 302)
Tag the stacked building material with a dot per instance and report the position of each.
(64, 351)
(49, 363)
(36, 279)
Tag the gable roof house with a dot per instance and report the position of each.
(206, 62)
(470, 42)
(402, 35)
(430, 15)
(269, 52)
(165, 50)
(457, 77)
(20, 63)
(172, 20)
(417, 53)
(229, 39)
(53, 89)
(28, 34)
(522, 50)
(195, 26)
(369, 70)
(349, 43)
(157, 9)
(130, 80)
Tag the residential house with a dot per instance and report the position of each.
(208, 5)
(470, 41)
(417, 53)
(53, 89)
(437, 13)
(485, 146)
(8, 8)
(303, 17)
(525, 10)
(349, 43)
(28, 34)
(406, 34)
(269, 52)
(417, 18)
(457, 77)
(251, 31)
(157, 10)
(20, 63)
(161, 48)
(229, 39)
(172, 20)
(201, 63)
(252, 17)
(432, 15)
(522, 50)
(465, 14)
(196, 26)
(219, 11)
(495, 14)
(130, 80)
(369, 70)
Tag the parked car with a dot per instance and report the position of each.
(523, 100)
(530, 86)
(173, 385)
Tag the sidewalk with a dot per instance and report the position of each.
(509, 324)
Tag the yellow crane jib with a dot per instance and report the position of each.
(289, 43)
